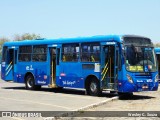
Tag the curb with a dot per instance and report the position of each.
(73, 112)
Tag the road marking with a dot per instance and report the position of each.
(96, 104)
(16, 118)
(36, 103)
(57, 94)
(72, 112)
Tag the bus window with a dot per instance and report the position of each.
(90, 52)
(139, 57)
(25, 53)
(39, 53)
(70, 52)
(4, 54)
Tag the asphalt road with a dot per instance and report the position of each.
(14, 97)
(140, 106)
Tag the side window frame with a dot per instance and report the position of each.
(39, 53)
(70, 52)
(25, 53)
(4, 54)
(90, 52)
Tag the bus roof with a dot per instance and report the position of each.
(157, 50)
(66, 40)
(99, 38)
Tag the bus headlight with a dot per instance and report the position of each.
(129, 78)
(157, 78)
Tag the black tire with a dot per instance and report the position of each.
(93, 87)
(30, 83)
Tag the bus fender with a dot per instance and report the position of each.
(89, 78)
(28, 73)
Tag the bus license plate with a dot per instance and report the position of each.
(145, 87)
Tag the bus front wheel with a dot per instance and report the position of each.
(30, 83)
(93, 87)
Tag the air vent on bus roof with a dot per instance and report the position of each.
(40, 39)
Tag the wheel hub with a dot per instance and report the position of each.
(93, 87)
(30, 83)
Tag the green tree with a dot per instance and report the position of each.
(157, 45)
(2, 41)
(26, 36)
(17, 37)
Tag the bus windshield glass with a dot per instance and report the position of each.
(140, 59)
(139, 54)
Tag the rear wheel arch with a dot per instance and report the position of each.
(92, 85)
(30, 82)
(27, 74)
(88, 79)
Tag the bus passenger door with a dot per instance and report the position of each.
(8, 66)
(109, 66)
(158, 59)
(54, 63)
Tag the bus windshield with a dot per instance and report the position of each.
(140, 59)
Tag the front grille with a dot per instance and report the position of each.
(143, 76)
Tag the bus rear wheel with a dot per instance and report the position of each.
(30, 83)
(93, 88)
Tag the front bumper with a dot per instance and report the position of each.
(125, 86)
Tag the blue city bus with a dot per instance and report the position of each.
(157, 51)
(116, 63)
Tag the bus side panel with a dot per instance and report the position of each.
(3, 67)
(15, 79)
(88, 72)
(10, 75)
(70, 75)
(91, 69)
(21, 71)
(39, 70)
(7, 75)
(42, 74)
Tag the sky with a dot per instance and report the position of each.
(77, 18)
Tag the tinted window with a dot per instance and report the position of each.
(25, 49)
(39, 53)
(4, 53)
(70, 52)
(137, 40)
(90, 52)
(25, 53)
